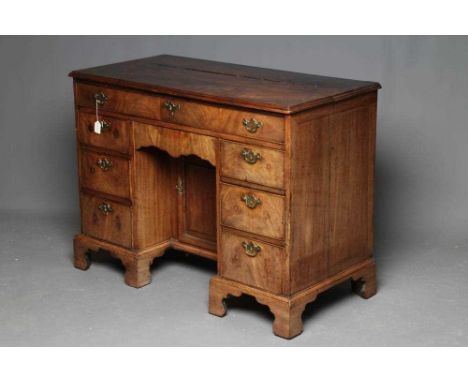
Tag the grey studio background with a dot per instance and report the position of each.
(420, 220)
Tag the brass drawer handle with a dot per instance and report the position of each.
(251, 249)
(100, 98)
(106, 208)
(252, 125)
(251, 200)
(105, 125)
(250, 157)
(104, 164)
(171, 107)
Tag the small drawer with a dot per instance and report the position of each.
(252, 164)
(106, 220)
(252, 262)
(118, 101)
(114, 136)
(252, 211)
(267, 127)
(105, 173)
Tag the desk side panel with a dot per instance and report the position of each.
(332, 180)
(352, 157)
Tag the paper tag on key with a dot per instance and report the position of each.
(97, 127)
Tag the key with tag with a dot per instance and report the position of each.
(97, 127)
(98, 123)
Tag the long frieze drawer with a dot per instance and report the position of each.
(115, 134)
(252, 164)
(118, 101)
(252, 262)
(264, 126)
(253, 211)
(106, 220)
(105, 173)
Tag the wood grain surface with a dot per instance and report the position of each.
(265, 89)
(116, 138)
(267, 218)
(115, 180)
(270, 173)
(267, 171)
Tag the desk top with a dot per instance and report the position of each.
(238, 85)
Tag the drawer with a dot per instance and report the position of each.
(106, 220)
(118, 101)
(253, 262)
(105, 173)
(267, 127)
(252, 164)
(252, 211)
(115, 136)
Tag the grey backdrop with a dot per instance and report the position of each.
(422, 182)
(421, 201)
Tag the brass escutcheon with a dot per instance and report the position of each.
(252, 125)
(105, 208)
(251, 200)
(250, 157)
(100, 98)
(251, 249)
(179, 185)
(171, 107)
(104, 164)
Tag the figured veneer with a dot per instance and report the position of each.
(176, 143)
(263, 126)
(105, 173)
(116, 135)
(271, 173)
(264, 268)
(106, 220)
(252, 164)
(117, 100)
(257, 212)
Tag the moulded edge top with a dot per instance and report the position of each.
(119, 75)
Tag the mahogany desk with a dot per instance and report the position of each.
(270, 173)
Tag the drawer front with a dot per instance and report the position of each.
(106, 220)
(253, 262)
(252, 211)
(105, 173)
(115, 136)
(262, 126)
(252, 164)
(119, 101)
